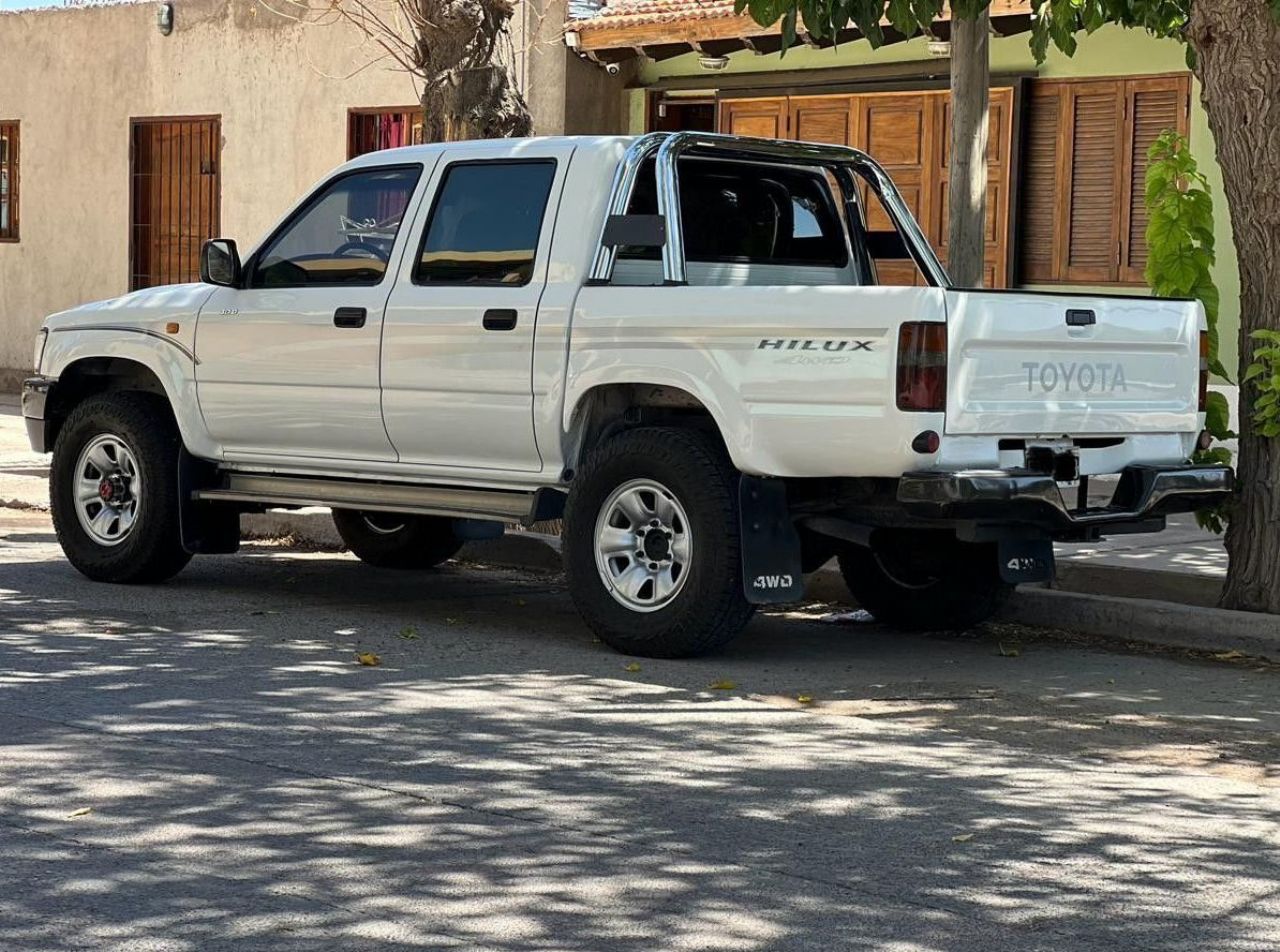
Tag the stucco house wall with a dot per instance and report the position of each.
(74, 77)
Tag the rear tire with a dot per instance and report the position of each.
(651, 545)
(113, 489)
(925, 580)
(395, 541)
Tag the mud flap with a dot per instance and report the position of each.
(771, 569)
(208, 528)
(1025, 560)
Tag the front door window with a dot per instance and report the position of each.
(342, 236)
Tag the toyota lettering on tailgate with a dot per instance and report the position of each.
(1060, 377)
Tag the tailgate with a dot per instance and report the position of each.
(1123, 365)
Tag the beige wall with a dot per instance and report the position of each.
(74, 78)
(566, 93)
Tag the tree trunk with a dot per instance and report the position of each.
(461, 53)
(1237, 47)
(967, 185)
(479, 103)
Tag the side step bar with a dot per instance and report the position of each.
(493, 504)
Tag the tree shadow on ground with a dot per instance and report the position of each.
(500, 781)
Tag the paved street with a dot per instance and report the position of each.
(204, 765)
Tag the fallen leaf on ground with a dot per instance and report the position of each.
(1231, 655)
(368, 659)
(633, 666)
(725, 685)
(962, 838)
(804, 698)
(1010, 652)
(83, 811)
(408, 632)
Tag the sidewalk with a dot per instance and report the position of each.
(24, 475)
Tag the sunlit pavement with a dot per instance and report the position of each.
(204, 765)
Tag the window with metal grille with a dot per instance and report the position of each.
(175, 195)
(8, 181)
(369, 130)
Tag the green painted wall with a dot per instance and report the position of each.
(1111, 51)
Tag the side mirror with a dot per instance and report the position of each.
(220, 263)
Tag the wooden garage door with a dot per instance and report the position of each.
(174, 198)
(909, 134)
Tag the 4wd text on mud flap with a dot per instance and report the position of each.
(772, 581)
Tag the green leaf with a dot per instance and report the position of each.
(788, 30)
(763, 12)
(1217, 419)
(901, 17)
(1094, 16)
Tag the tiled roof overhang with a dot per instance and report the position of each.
(662, 28)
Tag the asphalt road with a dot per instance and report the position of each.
(204, 765)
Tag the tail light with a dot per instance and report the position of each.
(922, 367)
(1204, 371)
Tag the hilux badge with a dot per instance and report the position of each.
(829, 346)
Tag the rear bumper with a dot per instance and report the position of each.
(35, 394)
(1020, 496)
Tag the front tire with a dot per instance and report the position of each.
(651, 544)
(394, 541)
(925, 580)
(113, 489)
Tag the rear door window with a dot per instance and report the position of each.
(737, 212)
(485, 224)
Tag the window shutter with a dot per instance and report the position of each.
(766, 118)
(1152, 106)
(1093, 214)
(1041, 173)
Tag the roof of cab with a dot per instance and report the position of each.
(613, 145)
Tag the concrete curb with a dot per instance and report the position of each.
(1127, 581)
(1147, 620)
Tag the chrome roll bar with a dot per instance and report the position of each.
(624, 183)
(669, 147)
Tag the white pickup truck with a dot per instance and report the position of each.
(677, 343)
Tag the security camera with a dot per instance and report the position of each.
(613, 69)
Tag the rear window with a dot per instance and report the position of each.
(755, 214)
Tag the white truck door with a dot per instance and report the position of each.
(457, 350)
(288, 362)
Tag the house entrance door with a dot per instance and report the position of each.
(174, 197)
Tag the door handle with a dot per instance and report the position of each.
(349, 317)
(500, 319)
(1080, 317)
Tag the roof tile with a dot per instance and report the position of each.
(620, 13)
